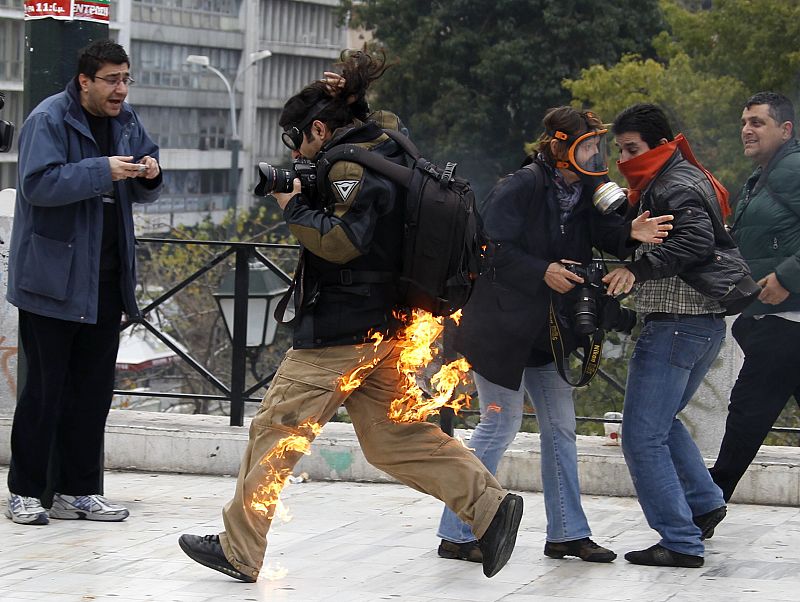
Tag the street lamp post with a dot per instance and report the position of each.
(247, 298)
(236, 143)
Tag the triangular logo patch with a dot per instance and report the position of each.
(345, 187)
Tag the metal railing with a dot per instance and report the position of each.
(236, 392)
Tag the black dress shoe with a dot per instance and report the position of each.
(585, 549)
(658, 555)
(498, 541)
(469, 550)
(207, 551)
(706, 522)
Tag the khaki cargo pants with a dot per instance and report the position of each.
(419, 454)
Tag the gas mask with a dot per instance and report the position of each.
(587, 156)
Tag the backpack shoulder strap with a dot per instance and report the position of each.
(350, 152)
(404, 142)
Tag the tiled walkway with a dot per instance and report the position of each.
(362, 542)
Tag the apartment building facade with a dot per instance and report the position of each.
(187, 108)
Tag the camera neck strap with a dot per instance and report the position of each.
(592, 351)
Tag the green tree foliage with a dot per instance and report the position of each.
(709, 62)
(754, 41)
(472, 79)
(705, 107)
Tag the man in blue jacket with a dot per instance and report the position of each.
(767, 229)
(84, 158)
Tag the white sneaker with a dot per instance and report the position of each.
(26, 510)
(90, 507)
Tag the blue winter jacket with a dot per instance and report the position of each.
(54, 258)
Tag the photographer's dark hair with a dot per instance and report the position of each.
(780, 107)
(569, 121)
(359, 69)
(647, 119)
(95, 55)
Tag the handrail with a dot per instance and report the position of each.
(236, 392)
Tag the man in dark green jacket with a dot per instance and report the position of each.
(767, 229)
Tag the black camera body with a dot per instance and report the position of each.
(276, 179)
(6, 130)
(592, 308)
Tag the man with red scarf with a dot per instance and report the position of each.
(682, 333)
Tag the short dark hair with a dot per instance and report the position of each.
(780, 107)
(98, 53)
(647, 119)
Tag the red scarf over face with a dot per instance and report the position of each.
(641, 170)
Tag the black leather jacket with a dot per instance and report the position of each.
(679, 189)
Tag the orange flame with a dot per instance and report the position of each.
(266, 498)
(417, 342)
(353, 380)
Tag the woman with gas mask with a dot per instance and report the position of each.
(544, 217)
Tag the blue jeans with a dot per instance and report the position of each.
(668, 364)
(501, 416)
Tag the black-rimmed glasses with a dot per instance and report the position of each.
(116, 80)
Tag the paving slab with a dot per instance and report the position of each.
(363, 542)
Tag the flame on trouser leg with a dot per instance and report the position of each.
(417, 343)
(353, 379)
(266, 498)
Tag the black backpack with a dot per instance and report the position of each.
(443, 238)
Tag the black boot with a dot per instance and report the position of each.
(498, 541)
(207, 551)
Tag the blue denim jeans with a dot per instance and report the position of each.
(668, 364)
(501, 415)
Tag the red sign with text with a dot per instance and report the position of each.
(69, 10)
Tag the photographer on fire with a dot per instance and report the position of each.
(544, 220)
(6, 129)
(344, 291)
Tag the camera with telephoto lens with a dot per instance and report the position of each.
(592, 308)
(276, 179)
(6, 129)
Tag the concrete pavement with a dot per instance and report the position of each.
(359, 542)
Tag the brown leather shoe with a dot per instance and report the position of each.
(585, 549)
(469, 550)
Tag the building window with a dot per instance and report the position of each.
(301, 24)
(164, 65)
(12, 43)
(177, 127)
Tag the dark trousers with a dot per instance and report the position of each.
(768, 378)
(62, 408)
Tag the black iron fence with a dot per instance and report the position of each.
(235, 391)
